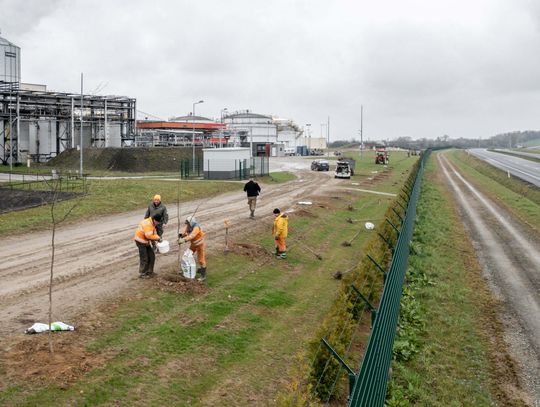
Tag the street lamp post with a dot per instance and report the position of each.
(308, 125)
(323, 134)
(193, 132)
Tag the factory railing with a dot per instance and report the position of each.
(61, 182)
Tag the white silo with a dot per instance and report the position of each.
(10, 62)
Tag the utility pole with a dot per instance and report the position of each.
(328, 135)
(10, 132)
(193, 133)
(81, 129)
(361, 130)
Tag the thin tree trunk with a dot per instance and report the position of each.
(51, 350)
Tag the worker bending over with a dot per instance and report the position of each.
(144, 235)
(280, 230)
(193, 233)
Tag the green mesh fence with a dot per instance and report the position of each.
(370, 385)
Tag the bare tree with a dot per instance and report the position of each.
(56, 219)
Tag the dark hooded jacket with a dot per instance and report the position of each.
(160, 209)
(252, 188)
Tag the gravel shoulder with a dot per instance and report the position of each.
(508, 253)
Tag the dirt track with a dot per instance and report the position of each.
(509, 256)
(98, 260)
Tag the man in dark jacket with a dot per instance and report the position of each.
(252, 189)
(157, 208)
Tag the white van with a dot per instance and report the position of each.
(290, 151)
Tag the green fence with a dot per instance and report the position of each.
(368, 387)
(61, 182)
(188, 169)
(238, 169)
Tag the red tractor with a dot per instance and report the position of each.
(381, 156)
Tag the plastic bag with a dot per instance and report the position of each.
(38, 327)
(188, 264)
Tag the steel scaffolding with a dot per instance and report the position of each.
(99, 115)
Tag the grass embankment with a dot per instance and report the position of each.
(228, 346)
(107, 197)
(456, 354)
(517, 196)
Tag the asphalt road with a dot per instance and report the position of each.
(518, 167)
(522, 153)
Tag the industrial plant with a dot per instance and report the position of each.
(37, 124)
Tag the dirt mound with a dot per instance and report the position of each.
(250, 250)
(18, 199)
(140, 159)
(177, 283)
(29, 359)
(303, 213)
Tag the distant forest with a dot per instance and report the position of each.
(513, 139)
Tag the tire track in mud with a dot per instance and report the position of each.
(97, 260)
(509, 256)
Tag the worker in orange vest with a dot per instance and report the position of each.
(193, 233)
(280, 230)
(144, 235)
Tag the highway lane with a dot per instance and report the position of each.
(522, 153)
(525, 169)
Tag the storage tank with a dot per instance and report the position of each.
(10, 62)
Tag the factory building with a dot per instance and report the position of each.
(180, 131)
(36, 124)
(264, 134)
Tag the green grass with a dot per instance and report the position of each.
(106, 197)
(112, 196)
(517, 196)
(453, 366)
(231, 346)
(531, 143)
(43, 169)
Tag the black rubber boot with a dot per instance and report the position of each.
(202, 271)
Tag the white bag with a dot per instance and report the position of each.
(38, 327)
(188, 264)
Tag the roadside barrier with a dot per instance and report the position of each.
(370, 383)
(378, 279)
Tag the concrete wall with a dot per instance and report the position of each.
(225, 163)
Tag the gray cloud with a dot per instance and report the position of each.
(421, 69)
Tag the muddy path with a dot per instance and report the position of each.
(97, 260)
(509, 255)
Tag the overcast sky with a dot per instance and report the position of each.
(420, 68)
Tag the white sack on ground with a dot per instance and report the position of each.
(188, 264)
(38, 327)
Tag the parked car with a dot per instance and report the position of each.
(343, 170)
(320, 165)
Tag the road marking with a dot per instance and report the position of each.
(487, 158)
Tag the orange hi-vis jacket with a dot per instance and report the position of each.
(195, 236)
(146, 231)
(280, 228)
